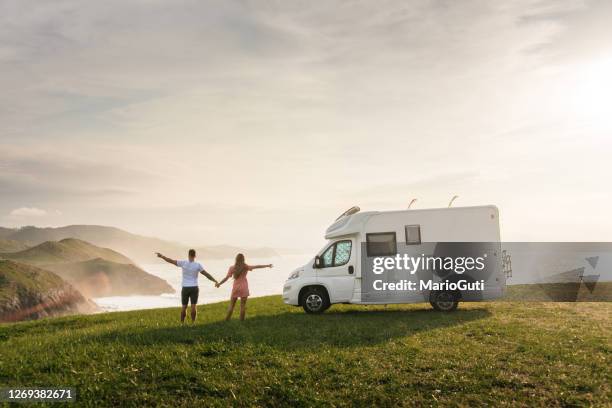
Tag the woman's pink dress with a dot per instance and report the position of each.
(241, 284)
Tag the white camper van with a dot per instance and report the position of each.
(405, 256)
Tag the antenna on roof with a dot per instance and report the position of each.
(411, 202)
(452, 200)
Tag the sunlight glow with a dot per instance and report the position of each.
(593, 93)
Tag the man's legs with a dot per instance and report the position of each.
(188, 294)
(183, 313)
(243, 301)
(194, 312)
(193, 297)
(230, 310)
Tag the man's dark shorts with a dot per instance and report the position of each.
(190, 293)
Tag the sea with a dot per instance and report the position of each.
(262, 282)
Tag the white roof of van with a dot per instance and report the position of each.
(349, 224)
(352, 224)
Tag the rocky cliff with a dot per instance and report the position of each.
(28, 292)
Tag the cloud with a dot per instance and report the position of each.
(122, 106)
(41, 172)
(28, 212)
(583, 33)
(204, 68)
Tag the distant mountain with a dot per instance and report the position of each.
(100, 277)
(28, 292)
(10, 245)
(136, 247)
(94, 271)
(66, 250)
(5, 232)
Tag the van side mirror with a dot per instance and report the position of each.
(317, 263)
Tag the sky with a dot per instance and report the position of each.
(257, 123)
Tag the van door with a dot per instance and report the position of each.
(337, 270)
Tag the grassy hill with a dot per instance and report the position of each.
(137, 247)
(9, 245)
(66, 250)
(496, 354)
(99, 277)
(94, 271)
(27, 292)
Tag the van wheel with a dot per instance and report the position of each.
(315, 300)
(444, 301)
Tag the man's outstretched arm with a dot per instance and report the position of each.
(165, 258)
(208, 275)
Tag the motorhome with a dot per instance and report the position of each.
(439, 255)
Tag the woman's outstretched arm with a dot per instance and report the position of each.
(262, 266)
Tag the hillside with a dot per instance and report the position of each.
(136, 247)
(66, 250)
(99, 277)
(485, 354)
(10, 245)
(27, 292)
(94, 271)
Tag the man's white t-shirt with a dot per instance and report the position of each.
(191, 270)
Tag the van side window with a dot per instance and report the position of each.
(381, 244)
(343, 253)
(413, 234)
(337, 254)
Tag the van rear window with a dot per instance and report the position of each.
(381, 244)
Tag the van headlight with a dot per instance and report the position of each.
(294, 275)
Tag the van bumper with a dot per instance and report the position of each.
(291, 292)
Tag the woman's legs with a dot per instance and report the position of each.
(230, 310)
(243, 301)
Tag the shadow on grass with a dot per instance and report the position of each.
(291, 331)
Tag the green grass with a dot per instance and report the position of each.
(497, 354)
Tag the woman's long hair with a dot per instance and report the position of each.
(239, 266)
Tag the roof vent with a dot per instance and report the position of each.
(350, 211)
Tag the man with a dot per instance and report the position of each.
(190, 290)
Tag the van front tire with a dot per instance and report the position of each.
(315, 300)
(444, 301)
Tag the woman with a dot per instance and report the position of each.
(241, 286)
